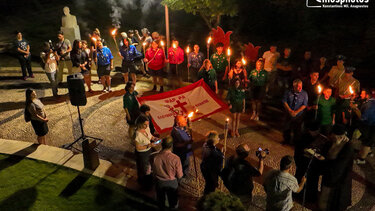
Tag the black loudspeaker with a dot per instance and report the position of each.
(76, 89)
(90, 156)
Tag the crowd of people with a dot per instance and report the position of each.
(324, 107)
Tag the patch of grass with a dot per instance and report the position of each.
(35, 185)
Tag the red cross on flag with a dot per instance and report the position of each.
(197, 96)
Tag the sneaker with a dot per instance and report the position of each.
(256, 118)
(146, 75)
(109, 89)
(24, 78)
(154, 89)
(32, 76)
(360, 161)
(161, 89)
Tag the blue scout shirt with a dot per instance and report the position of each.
(368, 112)
(295, 100)
(128, 53)
(104, 56)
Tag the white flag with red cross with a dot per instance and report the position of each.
(196, 97)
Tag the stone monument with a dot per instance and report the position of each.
(70, 27)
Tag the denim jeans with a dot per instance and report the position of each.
(52, 78)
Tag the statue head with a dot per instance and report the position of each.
(66, 11)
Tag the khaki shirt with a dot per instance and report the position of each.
(334, 75)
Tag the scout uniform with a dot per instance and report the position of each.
(219, 63)
(209, 77)
(235, 97)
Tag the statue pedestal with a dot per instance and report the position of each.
(71, 33)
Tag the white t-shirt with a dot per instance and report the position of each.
(270, 60)
(143, 139)
(51, 65)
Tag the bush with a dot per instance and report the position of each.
(219, 201)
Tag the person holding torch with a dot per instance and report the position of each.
(326, 106)
(176, 57)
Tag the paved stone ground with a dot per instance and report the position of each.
(104, 118)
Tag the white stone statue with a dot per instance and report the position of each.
(70, 27)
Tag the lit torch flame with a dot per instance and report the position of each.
(228, 52)
(191, 114)
(227, 120)
(114, 32)
(351, 90)
(162, 43)
(188, 50)
(174, 45)
(144, 43)
(319, 89)
(243, 61)
(93, 39)
(209, 40)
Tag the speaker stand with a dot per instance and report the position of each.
(83, 136)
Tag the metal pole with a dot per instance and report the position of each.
(167, 30)
(194, 158)
(316, 111)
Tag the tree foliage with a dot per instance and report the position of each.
(210, 10)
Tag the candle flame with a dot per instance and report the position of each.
(114, 32)
(243, 61)
(351, 90)
(228, 52)
(209, 40)
(162, 43)
(319, 89)
(190, 114)
(187, 49)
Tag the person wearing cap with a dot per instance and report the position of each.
(138, 59)
(258, 81)
(146, 39)
(238, 174)
(279, 185)
(295, 102)
(63, 48)
(212, 162)
(167, 170)
(367, 117)
(337, 167)
(345, 96)
(336, 72)
(326, 111)
(182, 142)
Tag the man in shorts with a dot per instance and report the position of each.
(104, 61)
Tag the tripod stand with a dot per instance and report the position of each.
(83, 137)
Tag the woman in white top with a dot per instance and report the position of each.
(50, 58)
(143, 143)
